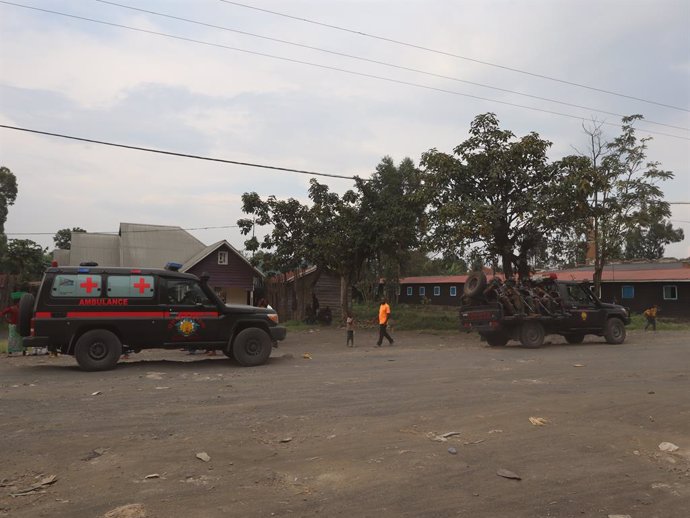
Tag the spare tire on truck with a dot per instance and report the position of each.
(475, 284)
(26, 313)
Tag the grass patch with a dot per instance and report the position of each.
(406, 317)
(296, 325)
(637, 322)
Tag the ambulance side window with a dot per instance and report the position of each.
(131, 286)
(185, 292)
(82, 286)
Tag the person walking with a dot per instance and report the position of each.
(650, 315)
(350, 327)
(384, 315)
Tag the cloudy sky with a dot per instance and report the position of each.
(226, 97)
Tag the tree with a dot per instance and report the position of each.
(326, 234)
(495, 195)
(26, 259)
(650, 243)
(63, 237)
(393, 203)
(619, 194)
(8, 195)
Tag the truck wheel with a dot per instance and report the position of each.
(532, 334)
(98, 350)
(614, 331)
(251, 347)
(496, 339)
(26, 311)
(475, 284)
(575, 338)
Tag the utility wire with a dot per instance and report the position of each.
(184, 155)
(436, 51)
(327, 67)
(377, 62)
(118, 232)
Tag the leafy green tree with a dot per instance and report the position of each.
(393, 204)
(650, 243)
(495, 195)
(26, 259)
(618, 194)
(63, 237)
(326, 234)
(8, 195)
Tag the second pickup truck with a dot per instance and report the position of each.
(528, 311)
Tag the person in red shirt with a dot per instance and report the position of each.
(11, 316)
(384, 315)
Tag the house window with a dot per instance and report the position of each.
(453, 291)
(223, 257)
(437, 291)
(670, 293)
(628, 292)
(409, 291)
(422, 290)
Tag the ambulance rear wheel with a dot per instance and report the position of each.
(98, 350)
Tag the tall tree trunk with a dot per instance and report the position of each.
(344, 299)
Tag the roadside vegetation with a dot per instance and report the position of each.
(405, 317)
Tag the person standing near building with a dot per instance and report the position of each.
(350, 328)
(384, 315)
(650, 315)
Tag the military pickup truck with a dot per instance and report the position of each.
(529, 310)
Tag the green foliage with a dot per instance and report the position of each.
(63, 237)
(618, 199)
(405, 317)
(26, 259)
(8, 195)
(495, 195)
(650, 243)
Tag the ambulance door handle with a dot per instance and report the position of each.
(173, 313)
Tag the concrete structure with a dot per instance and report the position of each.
(153, 246)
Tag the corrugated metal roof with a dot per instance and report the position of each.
(101, 248)
(153, 246)
(435, 279)
(614, 275)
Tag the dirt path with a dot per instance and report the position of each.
(353, 432)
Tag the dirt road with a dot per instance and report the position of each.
(355, 432)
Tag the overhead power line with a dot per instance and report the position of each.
(327, 67)
(118, 232)
(173, 153)
(382, 63)
(458, 56)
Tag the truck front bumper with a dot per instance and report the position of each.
(278, 333)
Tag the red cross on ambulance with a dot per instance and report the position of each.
(141, 285)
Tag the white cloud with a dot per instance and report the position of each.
(107, 83)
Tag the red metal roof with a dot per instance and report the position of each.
(435, 279)
(611, 275)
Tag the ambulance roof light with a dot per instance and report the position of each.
(173, 267)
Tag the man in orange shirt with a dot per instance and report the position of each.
(384, 315)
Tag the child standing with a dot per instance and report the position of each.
(650, 315)
(350, 327)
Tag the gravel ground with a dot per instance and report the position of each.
(354, 432)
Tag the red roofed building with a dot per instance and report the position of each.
(635, 285)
